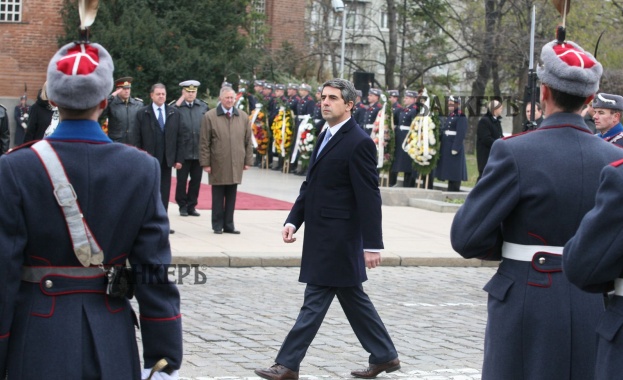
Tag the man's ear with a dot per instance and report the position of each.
(103, 104)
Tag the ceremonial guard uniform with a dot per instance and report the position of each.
(293, 97)
(121, 113)
(57, 320)
(243, 85)
(191, 114)
(452, 166)
(396, 107)
(609, 129)
(592, 261)
(402, 161)
(527, 205)
(317, 115)
(373, 110)
(5, 136)
(359, 111)
(21, 113)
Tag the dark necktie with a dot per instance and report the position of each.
(160, 119)
(228, 114)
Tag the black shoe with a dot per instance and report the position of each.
(235, 232)
(218, 232)
(171, 232)
(183, 211)
(193, 212)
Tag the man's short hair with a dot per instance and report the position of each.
(225, 89)
(157, 85)
(349, 94)
(567, 102)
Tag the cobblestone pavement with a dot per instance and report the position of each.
(236, 321)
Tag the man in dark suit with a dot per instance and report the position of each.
(340, 204)
(158, 133)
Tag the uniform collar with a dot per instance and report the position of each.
(82, 130)
(612, 132)
(564, 118)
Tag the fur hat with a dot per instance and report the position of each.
(375, 91)
(609, 101)
(80, 76)
(569, 68)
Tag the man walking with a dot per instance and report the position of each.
(225, 150)
(191, 112)
(527, 205)
(340, 204)
(158, 133)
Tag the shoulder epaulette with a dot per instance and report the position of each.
(139, 99)
(2, 105)
(24, 145)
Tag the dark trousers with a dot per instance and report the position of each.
(188, 198)
(361, 315)
(408, 180)
(454, 186)
(165, 184)
(223, 204)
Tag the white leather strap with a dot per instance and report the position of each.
(522, 252)
(86, 248)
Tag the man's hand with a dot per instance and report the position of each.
(288, 234)
(207, 169)
(246, 167)
(373, 259)
(177, 165)
(116, 91)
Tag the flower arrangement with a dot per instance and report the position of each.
(282, 131)
(384, 146)
(24, 117)
(258, 125)
(242, 102)
(307, 143)
(422, 142)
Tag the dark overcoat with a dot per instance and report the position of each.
(55, 331)
(190, 122)
(539, 325)
(121, 118)
(593, 259)
(489, 129)
(340, 204)
(148, 135)
(452, 167)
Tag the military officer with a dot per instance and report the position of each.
(191, 112)
(452, 165)
(359, 111)
(402, 161)
(5, 136)
(258, 88)
(121, 111)
(374, 106)
(608, 110)
(306, 106)
(532, 196)
(293, 96)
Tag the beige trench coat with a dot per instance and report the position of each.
(225, 145)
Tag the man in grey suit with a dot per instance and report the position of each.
(340, 204)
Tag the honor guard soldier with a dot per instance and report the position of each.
(373, 109)
(74, 209)
(121, 111)
(305, 106)
(608, 109)
(258, 87)
(402, 161)
(359, 111)
(243, 86)
(293, 96)
(394, 95)
(529, 203)
(191, 112)
(452, 165)
(317, 116)
(21, 113)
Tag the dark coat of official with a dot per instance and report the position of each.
(489, 129)
(55, 329)
(540, 326)
(168, 148)
(225, 145)
(370, 117)
(593, 259)
(452, 167)
(402, 161)
(121, 118)
(359, 113)
(20, 131)
(190, 122)
(39, 119)
(340, 204)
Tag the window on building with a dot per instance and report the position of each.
(384, 24)
(10, 10)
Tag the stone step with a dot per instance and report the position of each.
(433, 205)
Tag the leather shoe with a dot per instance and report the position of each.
(277, 372)
(235, 232)
(183, 211)
(193, 212)
(218, 232)
(374, 369)
(171, 232)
